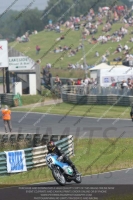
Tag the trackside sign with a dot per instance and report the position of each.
(3, 53)
(21, 64)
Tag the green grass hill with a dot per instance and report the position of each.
(47, 41)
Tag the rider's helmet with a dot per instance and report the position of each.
(51, 146)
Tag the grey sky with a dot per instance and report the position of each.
(22, 4)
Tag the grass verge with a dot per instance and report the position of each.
(104, 111)
(90, 158)
(32, 99)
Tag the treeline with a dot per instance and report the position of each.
(15, 23)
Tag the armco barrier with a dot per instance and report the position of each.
(98, 100)
(35, 157)
(28, 139)
(7, 99)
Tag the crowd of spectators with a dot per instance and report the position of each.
(68, 49)
(82, 82)
(90, 23)
(116, 36)
(127, 84)
(106, 16)
(25, 37)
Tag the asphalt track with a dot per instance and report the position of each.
(77, 126)
(116, 182)
(120, 177)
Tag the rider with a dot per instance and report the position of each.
(52, 148)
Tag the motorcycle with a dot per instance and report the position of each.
(61, 171)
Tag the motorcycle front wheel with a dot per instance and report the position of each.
(58, 176)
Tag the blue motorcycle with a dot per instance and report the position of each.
(61, 171)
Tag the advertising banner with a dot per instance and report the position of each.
(20, 63)
(3, 53)
(16, 161)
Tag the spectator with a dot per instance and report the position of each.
(73, 66)
(129, 83)
(35, 32)
(132, 8)
(6, 116)
(38, 61)
(79, 82)
(97, 54)
(69, 82)
(73, 82)
(57, 29)
(86, 80)
(62, 37)
(49, 65)
(82, 66)
(45, 70)
(57, 80)
(104, 59)
(47, 79)
(131, 39)
(117, 59)
(50, 77)
(118, 50)
(126, 47)
(124, 85)
(107, 53)
(37, 49)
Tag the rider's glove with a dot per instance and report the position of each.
(60, 158)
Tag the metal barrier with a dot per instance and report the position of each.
(7, 99)
(27, 139)
(86, 95)
(35, 157)
(95, 90)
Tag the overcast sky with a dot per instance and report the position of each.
(21, 4)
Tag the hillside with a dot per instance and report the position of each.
(47, 40)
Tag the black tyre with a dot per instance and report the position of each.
(58, 176)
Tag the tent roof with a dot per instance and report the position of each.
(106, 66)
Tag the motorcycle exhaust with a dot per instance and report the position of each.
(71, 178)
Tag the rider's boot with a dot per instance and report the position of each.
(75, 170)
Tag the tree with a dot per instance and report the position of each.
(14, 23)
